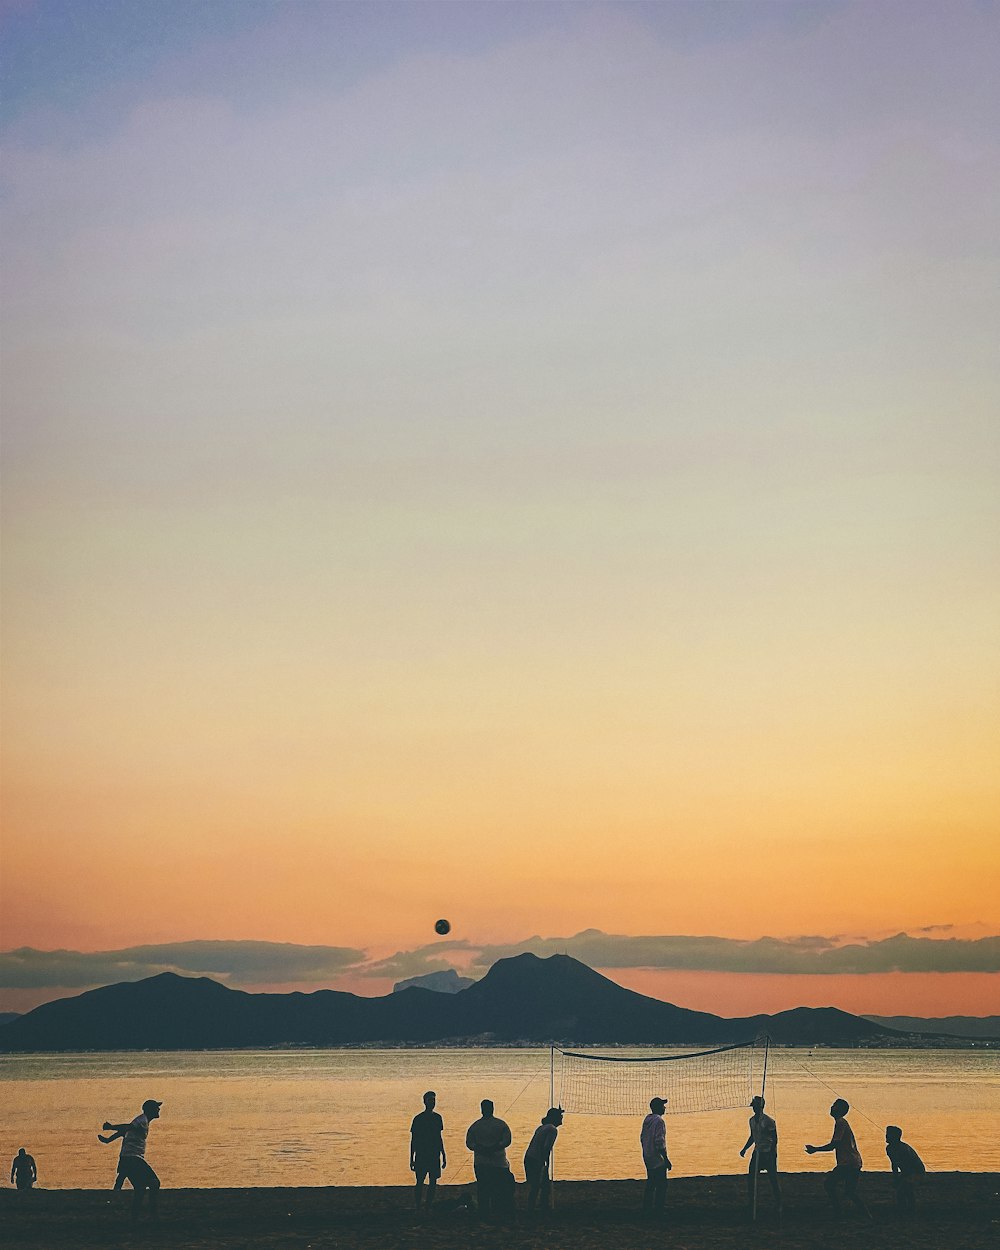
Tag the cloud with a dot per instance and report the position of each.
(277, 963)
(416, 963)
(806, 955)
(242, 963)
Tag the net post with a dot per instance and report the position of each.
(754, 1160)
(552, 1102)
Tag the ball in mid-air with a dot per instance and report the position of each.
(442, 927)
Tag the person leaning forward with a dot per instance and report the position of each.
(488, 1139)
(23, 1172)
(132, 1163)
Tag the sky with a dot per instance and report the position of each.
(529, 464)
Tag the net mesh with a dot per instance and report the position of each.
(710, 1080)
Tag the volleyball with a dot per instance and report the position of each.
(442, 927)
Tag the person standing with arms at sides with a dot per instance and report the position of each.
(488, 1139)
(536, 1158)
(23, 1172)
(764, 1139)
(907, 1169)
(847, 1169)
(654, 1155)
(132, 1165)
(427, 1157)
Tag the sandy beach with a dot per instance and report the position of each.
(959, 1211)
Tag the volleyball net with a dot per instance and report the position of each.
(706, 1080)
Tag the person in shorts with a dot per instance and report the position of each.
(847, 1169)
(132, 1165)
(427, 1156)
(764, 1139)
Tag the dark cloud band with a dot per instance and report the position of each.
(277, 963)
(246, 963)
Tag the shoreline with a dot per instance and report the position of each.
(957, 1211)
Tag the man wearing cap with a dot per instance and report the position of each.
(132, 1163)
(654, 1155)
(764, 1139)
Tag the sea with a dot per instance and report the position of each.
(342, 1117)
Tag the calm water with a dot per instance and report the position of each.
(342, 1117)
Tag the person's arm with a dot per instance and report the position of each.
(830, 1145)
(507, 1139)
(120, 1129)
(13, 1167)
(444, 1157)
(413, 1151)
(747, 1144)
(470, 1141)
(660, 1143)
(34, 1171)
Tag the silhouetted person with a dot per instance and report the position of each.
(907, 1169)
(764, 1139)
(654, 1155)
(847, 1169)
(132, 1165)
(427, 1157)
(488, 1139)
(119, 1174)
(536, 1158)
(23, 1172)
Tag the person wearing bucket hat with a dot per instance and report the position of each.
(132, 1165)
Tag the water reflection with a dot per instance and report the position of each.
(342, 1117)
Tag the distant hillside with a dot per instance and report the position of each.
(525, 999)
(7, 1016)
(446, 982)
(953, 1026)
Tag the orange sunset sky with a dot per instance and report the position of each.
(533, 465)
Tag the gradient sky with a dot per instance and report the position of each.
(532, 464)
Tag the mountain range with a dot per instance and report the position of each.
(953, 1026)
(523, 999)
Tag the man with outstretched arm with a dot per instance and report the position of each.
(132, 1165)
(847, 1169)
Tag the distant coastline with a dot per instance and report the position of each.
(524, 1001)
